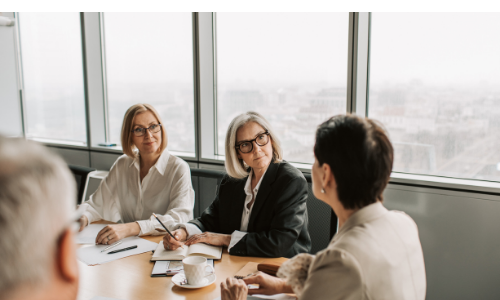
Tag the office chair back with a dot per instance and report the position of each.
(81, 177)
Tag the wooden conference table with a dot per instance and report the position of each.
(130, 278)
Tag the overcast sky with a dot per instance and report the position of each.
(436, 48)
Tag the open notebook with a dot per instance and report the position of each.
(200, 249)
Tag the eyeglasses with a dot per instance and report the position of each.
(247, 146)
(140, 131)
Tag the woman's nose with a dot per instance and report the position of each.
(256, 147)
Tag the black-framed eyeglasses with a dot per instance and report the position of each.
(140, 131)
(247, 146)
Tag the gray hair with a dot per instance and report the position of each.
(37, 195)
(236, 167)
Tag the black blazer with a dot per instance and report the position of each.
(278, 222)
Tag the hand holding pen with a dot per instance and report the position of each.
(173, 239)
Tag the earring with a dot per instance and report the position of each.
(322, 190)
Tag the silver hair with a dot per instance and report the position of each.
(236, 167)
(37, 198)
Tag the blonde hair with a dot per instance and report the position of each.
(235, 167)
(128, 123)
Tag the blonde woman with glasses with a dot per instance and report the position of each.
(260, 207)
(146, 179)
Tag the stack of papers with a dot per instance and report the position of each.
(88, 235)
(92, 255)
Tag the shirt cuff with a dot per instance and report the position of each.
(87, 211)
(191, 229)
(146, 227)
(236, 236)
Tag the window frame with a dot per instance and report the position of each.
(20, 86)
(205, 91)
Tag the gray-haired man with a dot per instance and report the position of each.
(37, 251)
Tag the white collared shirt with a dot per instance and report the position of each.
(166, 190)
(236, 236)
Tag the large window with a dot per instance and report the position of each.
(149, 59)
(51, 51)
(435, 85)
(291, 67)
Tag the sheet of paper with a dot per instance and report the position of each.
(248, 269)
(103, 298)
(92, 255)
(160, 251)
(177, 266)
(88, 235)
(202, 248)
(160, 267)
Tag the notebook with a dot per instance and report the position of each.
(249, 269)
(164, 268)
(200, 249)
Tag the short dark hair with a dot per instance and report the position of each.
(360, 156)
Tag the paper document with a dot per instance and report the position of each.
(92, 255)
(247, 270)
(200, 249)
(88, 235)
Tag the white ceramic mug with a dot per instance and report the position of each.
(195, 269)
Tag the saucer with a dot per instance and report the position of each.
(180, 277)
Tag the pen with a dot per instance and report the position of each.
(166, 229)
(124, 249)
(111, 246)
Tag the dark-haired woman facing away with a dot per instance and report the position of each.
(376, 253)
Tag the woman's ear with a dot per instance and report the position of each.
(328, 179)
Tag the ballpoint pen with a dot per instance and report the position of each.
(124, 249)
(166, 229)
(111, 246)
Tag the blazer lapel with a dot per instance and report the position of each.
(265, 189)
(237, 205)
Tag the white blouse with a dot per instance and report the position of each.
(236, 236)
(166, 190)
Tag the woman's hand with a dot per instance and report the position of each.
(113, 233)
(169, 243)
(84, 221)
(216, 239)
(233, 289)
(268, 285)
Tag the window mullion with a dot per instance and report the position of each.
(94, 78)
(358, 63)
(205, 100)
